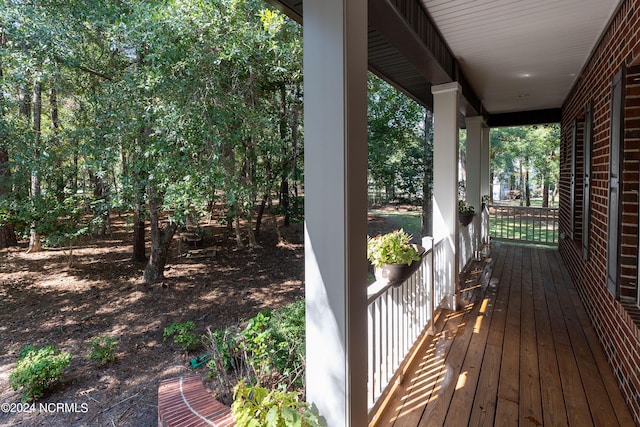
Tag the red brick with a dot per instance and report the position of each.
(174, 412)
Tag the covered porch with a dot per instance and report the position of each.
(522, 351)
(476, 66)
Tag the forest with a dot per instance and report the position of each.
(155, 108)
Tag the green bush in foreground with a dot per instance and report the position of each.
(257, 407)
(268, 351)
(103, 350)
(37, 369)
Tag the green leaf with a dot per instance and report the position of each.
(273, 417)
(291, 417)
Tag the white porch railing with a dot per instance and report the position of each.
(397, 318)
(524, 224)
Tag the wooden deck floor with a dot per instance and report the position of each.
(522, 352)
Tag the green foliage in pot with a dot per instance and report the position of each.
(391, 248)
(465, 208)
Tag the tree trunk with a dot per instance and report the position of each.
(527, 190)
(161, 238)
(284, 200)
(25, 102)
(251, 235)
(284, 183)
(7, 233)
(139, 254)
(53, 100)
(263, 204)
(545, 192)
(35, 244)
(101, 209)
(294, 142)
(239, 243)
(521, 183)
(58, 174)
(139, 177)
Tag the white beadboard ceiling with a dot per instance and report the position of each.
(521, 55)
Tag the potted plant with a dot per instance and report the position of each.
(465, 213)
(486, 200)
(393, 256)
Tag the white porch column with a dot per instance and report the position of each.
(474, 173)
(335, 104)
(474, 160)
(485, 163)
(445, 186)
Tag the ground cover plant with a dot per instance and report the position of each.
(182, 334)
(103, 349)
(37, 369)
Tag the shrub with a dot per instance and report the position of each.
(288, 333)
(103, 350)
(257, 342)
(269, 350)
(257, 407)
(227, 362)
(37, 369)
(183, 336)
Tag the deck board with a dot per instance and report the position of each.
(553, 406)
(521, 352)
(530, 395)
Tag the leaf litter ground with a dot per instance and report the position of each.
(43, 301)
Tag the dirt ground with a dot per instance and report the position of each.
(43, 301)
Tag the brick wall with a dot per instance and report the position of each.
(619, 335)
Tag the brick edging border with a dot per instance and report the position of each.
(185, 401)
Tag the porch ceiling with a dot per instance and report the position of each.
(519, 55)
(516, 61)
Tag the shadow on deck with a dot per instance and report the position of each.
(521, 352)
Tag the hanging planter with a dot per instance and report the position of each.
(394, 258)
(397, 274)
(466, 212)
(465, 218)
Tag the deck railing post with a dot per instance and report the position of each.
(428, 280)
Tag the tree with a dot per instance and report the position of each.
(396, 141)
(427, 181)
(521, 152)
(153, 107)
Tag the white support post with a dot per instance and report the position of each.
(486, 185)
(474, 173)
(335, 103)
(445, 186)
(485, 163)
